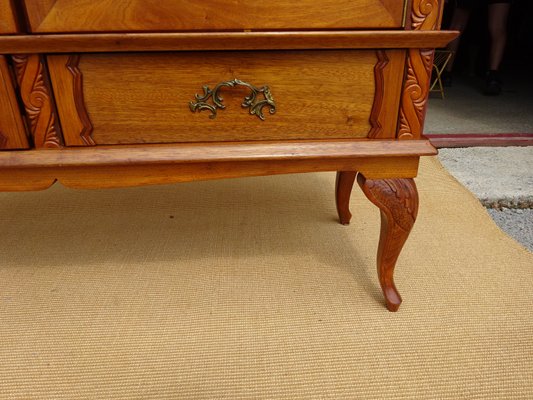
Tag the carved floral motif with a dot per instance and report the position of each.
(398, 196)
(425, 15)
(35, 94)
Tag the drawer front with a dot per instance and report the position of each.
(157, 98)
(187, 15)
(12, 129)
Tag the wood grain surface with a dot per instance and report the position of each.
(188, 153)
(144, 98)
(8, 21)
(12, 129)
(188, 15)
(115, 42)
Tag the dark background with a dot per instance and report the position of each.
(472, 55)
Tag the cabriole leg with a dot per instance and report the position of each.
(397, 200)
(343, 190)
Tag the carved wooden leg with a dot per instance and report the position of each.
(343, 190)
(397, 200)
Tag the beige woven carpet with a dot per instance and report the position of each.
(249, 289)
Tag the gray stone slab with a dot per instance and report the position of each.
(516, 223)
(498, 176)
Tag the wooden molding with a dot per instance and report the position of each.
(290, 40)
(415, 94)
(388, 74)
(221, 152)
(13, 131)
(85, 133)
(397, 200)
(67, 80)
(383, 60)
(37, 99)
(426, 15)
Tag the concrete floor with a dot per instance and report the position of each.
(498, 176)
(501, 177)
(466, 110)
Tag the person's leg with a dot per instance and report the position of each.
(497, 21)
(459, 21)
(498, 13)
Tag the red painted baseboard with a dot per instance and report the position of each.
(481, 140)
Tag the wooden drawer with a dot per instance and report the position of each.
(150, 97)
(186, 15)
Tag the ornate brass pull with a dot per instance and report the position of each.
(252, 102)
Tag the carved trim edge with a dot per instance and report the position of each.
(77, 76)
(37, 99)
(425, 14)
(379, 94)
(415, 93)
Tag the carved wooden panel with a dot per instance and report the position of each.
(415, 93)
(12, 130)
(144, 98)
(425, 15)
(38, 102)
(67, 80)
(188, 15)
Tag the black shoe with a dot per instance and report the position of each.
(493, 85)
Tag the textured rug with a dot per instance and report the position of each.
(250, 289)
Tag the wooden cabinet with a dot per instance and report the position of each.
(127, 93)
(211, 15)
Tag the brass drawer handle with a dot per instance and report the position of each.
(252, 102)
